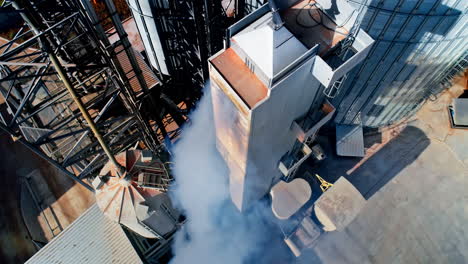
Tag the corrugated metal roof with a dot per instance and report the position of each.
(350, 140)
(148, 74)
(91, 238)
(131, 29)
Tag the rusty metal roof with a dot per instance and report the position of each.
(148, 74)
(131, 29)
(91, 238)
(118, 196)
(239, 76)
(124, 201)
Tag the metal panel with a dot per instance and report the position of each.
(350, 140)
(232, 122)
(338, 206)
(244, 22)
(322, 71)
(286, 70)
(271, 50)
(92, 238)
(414, 40)
(362, 45)
(460, 111)
(141, 10)
(327, 75)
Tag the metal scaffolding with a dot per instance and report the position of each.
(77, 99)
(190, 31)
(64, 42)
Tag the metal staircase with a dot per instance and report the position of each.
(342, 52)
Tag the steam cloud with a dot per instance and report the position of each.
(215, 231)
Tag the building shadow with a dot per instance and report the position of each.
(332, 11)
(372, 137)
(370, 174)
(389, 161)
(14, 229)
(22, 220)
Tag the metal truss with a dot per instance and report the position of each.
(73, 97)
(107, 78)
(248, 6)
(152, 250)
(190, 31)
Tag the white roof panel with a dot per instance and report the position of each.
(271, 50)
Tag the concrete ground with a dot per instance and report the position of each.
(415, 180)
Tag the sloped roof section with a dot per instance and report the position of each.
(91, 238)
(148, 74)
(350, 140)
(270, 49)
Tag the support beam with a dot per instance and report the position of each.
(42, 155)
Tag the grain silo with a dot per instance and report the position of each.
(417, 41)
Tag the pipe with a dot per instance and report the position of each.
(58, 67)
(276, 16)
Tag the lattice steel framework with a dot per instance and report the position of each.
(190, 31)
(123, 99)
(66, 41)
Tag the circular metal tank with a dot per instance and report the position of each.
(136, 198)
(416, 42)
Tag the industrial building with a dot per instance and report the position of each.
(327, 111)
(267, 70)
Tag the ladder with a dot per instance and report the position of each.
(332, 91)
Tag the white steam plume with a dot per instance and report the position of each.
(216, 232)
